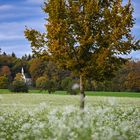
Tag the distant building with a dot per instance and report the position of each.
(23, 75)
(27, 80)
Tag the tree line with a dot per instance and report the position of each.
(126, 78)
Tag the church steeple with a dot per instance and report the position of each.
(23, 75)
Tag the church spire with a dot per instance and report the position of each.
(23, 75)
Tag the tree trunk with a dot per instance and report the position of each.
(82, 94)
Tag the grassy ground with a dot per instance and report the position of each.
(14, 101)
(89, 93)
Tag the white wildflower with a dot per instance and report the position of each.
(26, 126)
(112, 101)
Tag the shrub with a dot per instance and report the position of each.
(18, 86)
(68, 84)
(51, 86)
(44, 84)
(4, 82)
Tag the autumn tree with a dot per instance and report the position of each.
(120, 78)
(37, 68)
(55, 74)
(43, 83)
(19, 77)
(85, 36)
(40, 67)
(5, 70)
(132, 79)
(4, 82)
(18, 64)
(14, 64)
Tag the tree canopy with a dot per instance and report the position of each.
(86, 36)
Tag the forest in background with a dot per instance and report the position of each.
(127, 78)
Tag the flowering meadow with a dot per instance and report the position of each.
(51, 117)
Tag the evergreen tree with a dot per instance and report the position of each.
(13, 55)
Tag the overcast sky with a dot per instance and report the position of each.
(16, 14)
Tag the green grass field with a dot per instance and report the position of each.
(61, 98)
(88, 93)
(33, 100)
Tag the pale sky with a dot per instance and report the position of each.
(16, 14)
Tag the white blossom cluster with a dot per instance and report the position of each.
(100, 122)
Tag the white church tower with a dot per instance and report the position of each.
(23, 75)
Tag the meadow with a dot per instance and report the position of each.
(88, 93)
(58, 117)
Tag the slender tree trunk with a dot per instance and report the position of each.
(82, 94)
